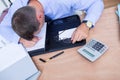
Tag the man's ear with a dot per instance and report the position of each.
(38, 17)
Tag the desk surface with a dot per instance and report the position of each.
(72, 66)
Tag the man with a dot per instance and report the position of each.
(27, 25)
(54, 9)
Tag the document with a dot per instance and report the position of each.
(15, 63)
(9, 57)
(66, 33)
(3, 42)
(41, 43)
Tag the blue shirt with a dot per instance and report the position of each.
(54, 9)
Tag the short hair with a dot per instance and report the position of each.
(25, 23)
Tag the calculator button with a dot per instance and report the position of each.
(98, 46)
(103, 49)
(89, 45)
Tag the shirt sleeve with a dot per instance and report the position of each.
(5, 26)
(94, 11)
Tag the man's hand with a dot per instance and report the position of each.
(80, 33)
(27, 43)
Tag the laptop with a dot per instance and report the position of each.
(57, 35)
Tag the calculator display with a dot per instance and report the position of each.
(87, 52)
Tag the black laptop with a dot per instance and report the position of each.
(54, 29)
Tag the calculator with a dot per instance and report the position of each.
(93, 50)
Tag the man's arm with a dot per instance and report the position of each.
(93, 13)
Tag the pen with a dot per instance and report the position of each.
(42, 60)
(51, 57)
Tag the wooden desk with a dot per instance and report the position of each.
(72, 66)
(110, 3)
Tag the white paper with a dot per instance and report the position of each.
(10, 54)
(15, 63)
(66, 33)
(41, 43)
(3, 42)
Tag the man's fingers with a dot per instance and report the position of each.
(30, 44)
(72, 37)
(75, 37)
(78, 36)
(35, 39)
(27, 43)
